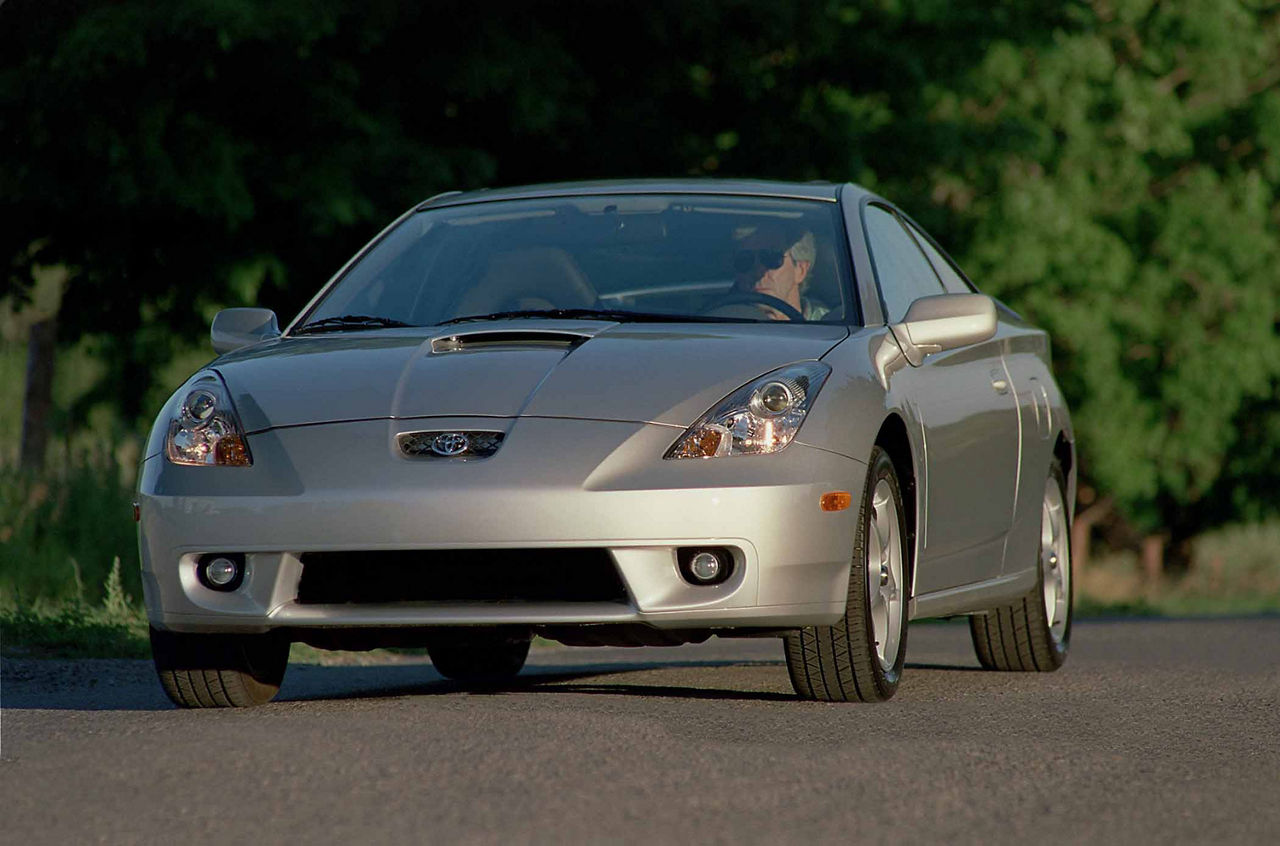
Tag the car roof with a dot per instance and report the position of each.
(827, 191)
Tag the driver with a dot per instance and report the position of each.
(775, 260)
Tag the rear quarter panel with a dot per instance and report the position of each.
(1044, 418)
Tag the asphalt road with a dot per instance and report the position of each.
(1153, 732)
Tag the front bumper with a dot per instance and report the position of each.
(554, 483)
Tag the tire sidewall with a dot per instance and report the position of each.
(881, 467)
(1059, 648)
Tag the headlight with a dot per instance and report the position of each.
(758, 418)
(205, 430)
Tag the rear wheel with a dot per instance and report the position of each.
(1034, 633)
(859, 659)
(479, 657)
(217, 670)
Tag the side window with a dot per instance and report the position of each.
(904, 273)
(951, 278)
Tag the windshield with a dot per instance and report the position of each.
(654, 257)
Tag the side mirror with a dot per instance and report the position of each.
(944, 322)
(234, 328)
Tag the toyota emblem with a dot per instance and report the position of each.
(450, 443)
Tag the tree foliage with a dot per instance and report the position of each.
(1137, 220)
(1108, 167)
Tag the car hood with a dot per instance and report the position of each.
(635, 372)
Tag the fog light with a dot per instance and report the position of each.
(705, 566)
(221, 572)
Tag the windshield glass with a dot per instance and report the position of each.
(703, 257)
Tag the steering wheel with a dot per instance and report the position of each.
(758, 299)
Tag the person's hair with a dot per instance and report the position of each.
(802, 246)
(804, 249)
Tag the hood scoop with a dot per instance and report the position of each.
(508, 339)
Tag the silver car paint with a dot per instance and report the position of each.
(1043, 418)
(999, 564)
(971, 464)
(820, 191)
(234, 328)
(340, 485)
(554, 483)
(658, 373)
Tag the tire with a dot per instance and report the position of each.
(845, 662)
(219, 671)
(1034, 634)
(479, 658)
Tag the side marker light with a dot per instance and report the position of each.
(835, 500)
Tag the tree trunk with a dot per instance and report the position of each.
(1153, 558)
(38, 399)
(1082, 529)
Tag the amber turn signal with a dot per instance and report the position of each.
(836, 500)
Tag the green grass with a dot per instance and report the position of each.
(114, 628)
(60, 534)
(1234, 570)
(1088, 607)
(71, 632)
(61, 529)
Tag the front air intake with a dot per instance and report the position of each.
(508, 339)
(460, 575)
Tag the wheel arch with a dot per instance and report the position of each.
(1065, 451)
(893, 439)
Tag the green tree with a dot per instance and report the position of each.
(180, 155)
(1123, 194)
(1108, 167)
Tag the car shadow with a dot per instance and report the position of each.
(326, 683)
(132, 685)
(559, 679)
(952, 668)
(79, 688)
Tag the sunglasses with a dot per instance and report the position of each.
(744, 260)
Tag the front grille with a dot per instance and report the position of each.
(463, 445)
(460, 575)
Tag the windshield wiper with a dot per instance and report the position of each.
(618, 315)
(348, 322)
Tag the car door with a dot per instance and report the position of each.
(963, 403)
(1024, 351)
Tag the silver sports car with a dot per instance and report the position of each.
(630, 413)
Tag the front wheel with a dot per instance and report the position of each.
(860, 658)
(1034, 633)
(219, 670)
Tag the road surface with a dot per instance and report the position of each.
(1153, 732)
